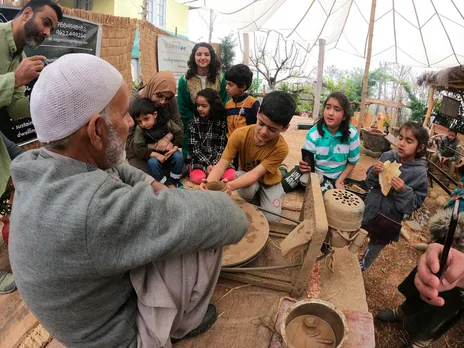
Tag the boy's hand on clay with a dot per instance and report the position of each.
(398, 184)
(339, 185)
(378, 167)
(203, 185)
(305, 167)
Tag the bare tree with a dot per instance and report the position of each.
(280, 62)
(209, 22)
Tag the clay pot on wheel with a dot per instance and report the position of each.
(216, 186)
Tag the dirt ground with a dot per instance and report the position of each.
(392, 266)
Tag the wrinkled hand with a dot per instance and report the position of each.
(398, 184)
(229, 186)
(28, 70)
(305, 167)
(339, 185)
(378, 167)
(157, 186)
(426, 281)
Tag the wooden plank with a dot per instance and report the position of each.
(314, 209)
(261, 282)
(277, 235)
(238, 324)
(16, 321)
(385, 103)
(300, 235)
(280, 227)
(264, 274)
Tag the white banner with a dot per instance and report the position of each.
(173, 54)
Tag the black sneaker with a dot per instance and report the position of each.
(388, 316)
(208, 321)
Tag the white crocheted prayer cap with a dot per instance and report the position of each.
(69, 92)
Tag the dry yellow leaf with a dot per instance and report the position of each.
(390, 171)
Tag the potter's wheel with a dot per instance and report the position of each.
(252, 243)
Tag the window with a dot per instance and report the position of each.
(157, 13)
(84, 4)
(162, 13)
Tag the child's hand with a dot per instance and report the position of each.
(398, 184)
(339, 185)
(161, 158)
(305, 167)
(203, 185)
(209, 169)
(170, 152)
(378, 167)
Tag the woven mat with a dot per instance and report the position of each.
(37, 338)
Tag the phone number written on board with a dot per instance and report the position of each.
(69, 33)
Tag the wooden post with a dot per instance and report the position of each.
(320, 74)
(430, 106)
(366, 68)
(313, 209)
(246, 48)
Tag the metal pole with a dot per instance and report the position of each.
(279, 215)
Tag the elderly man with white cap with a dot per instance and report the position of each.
(101, 259)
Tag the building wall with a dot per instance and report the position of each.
(67, 3)
(127, 8)
(177, 16)
(99, 6)
(103, 6)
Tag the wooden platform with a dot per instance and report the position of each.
(239, 311)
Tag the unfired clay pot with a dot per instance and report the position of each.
(325, 313)
(216, 186)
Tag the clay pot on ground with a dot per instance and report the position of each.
(216, 186)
